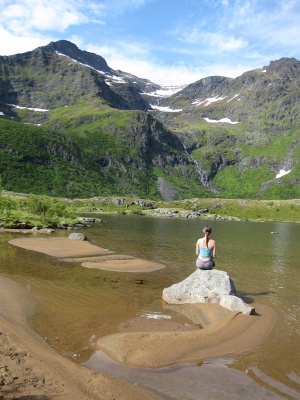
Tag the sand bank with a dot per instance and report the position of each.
(220, 333)
(89, 255)
(30, 368)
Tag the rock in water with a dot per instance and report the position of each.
(210, 286)
(77, 236)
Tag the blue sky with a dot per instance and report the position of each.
(166, 41)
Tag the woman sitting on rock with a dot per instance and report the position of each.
(205, 250)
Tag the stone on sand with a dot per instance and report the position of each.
(77, 236)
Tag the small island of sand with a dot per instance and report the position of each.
(89, 255)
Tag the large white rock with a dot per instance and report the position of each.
(210, 286)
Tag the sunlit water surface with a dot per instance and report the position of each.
(76, 306)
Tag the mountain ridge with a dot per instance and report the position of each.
(218, 136)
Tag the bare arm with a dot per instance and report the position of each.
(215, 250)
(197, 247)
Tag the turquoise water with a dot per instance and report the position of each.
(77, 306)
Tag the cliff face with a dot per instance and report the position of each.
(216, 137)
(60, 74)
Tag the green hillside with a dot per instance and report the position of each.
(71, 126)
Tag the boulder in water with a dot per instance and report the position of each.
(77, 236)
(210, 286)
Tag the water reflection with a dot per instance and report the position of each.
(265, 269)
(211, 380)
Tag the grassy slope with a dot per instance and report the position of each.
(249, 160)
(61, 210)
(252, 157)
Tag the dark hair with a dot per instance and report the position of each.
(207, 232)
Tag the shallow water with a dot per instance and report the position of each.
(77, 306)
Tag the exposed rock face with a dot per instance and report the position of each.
(133, 143)
(167, 191)
(72, 51)
(210, 286)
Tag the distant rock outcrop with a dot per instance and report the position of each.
(210, 286)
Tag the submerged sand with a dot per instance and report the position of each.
(215, 332)
(30, 368)
(220, 332)
(89, 255)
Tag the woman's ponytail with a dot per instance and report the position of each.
(207, 232)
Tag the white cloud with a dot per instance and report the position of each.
(215, 40)
(13, 44)
(267, 27)
(27, 16)
(235, 36)
(138, 63)
(135, 59)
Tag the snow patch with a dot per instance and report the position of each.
(1, 113)
(166, 109)
(28, 108)
(263, 70)
(227, 120)
(208, 101)
(78, 62)
(113, 77)
(282, 172)
(165, 91)
(236, 95)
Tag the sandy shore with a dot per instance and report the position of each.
(31, 369)
(30, 366)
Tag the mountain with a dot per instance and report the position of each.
(72, 126)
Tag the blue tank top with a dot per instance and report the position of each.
(205, 252)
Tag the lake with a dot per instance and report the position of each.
(76, 306)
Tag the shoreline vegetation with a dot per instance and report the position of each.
(21, 211)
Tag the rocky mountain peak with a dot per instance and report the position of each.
(71, 50)
(206, 85)
(284, 67)
(203, 140)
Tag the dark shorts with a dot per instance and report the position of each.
(209, 264)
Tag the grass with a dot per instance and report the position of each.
(248, 210)
(43, 211)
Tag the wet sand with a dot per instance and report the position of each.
(30, 368)
(89, 255)
(221, 333)
(215, 332)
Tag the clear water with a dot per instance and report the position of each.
(77, 306)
